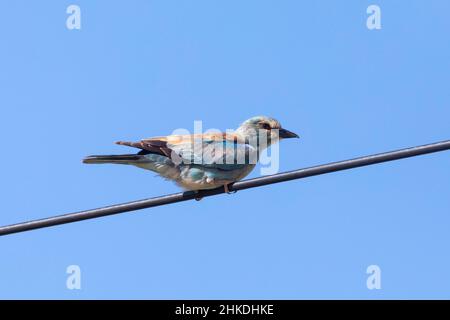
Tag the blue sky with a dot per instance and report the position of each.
(143, 68)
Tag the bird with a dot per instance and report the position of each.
(203, 161)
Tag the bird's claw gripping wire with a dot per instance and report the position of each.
(226, 187)
(198, 197)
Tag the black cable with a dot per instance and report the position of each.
(241, 185)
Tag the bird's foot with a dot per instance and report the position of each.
(198, 197)
(226, 187)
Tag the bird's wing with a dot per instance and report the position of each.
(225, 151)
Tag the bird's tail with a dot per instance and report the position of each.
(118, 159)
(153, 162)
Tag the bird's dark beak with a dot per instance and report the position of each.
(285, 134)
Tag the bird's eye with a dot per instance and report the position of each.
(266, 126)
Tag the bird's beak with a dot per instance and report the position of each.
(285, 134)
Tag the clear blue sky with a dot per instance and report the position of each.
(143, 68)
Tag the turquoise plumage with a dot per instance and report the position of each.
(203, 161)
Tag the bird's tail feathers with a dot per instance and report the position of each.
(118, 159)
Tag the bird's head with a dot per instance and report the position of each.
(270, 127)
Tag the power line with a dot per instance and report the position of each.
(241, 185)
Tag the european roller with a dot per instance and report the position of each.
(203, 161)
